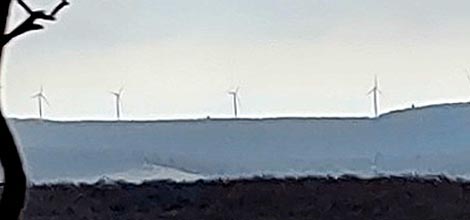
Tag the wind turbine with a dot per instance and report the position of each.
(468, 74)
(375, 91)
(40, 97)
(118, 95)
(234, 94)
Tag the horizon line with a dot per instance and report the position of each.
(384, 114)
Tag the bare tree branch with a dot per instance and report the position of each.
(25, 6)
(59, 7)
(28, 24)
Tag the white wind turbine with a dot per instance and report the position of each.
(40, 97)
(118, 95)
(468, 74)
(375, 91)
(235, 98)
(467, 71)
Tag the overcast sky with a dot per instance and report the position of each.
(178, 58)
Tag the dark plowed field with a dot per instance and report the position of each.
(317, 198)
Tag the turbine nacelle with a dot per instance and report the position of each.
(234, 92)
(118, 93)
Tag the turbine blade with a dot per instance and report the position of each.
(239, 102)
(45, 99)
(114, 93)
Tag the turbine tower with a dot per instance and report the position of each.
(118, 95)
(375, 91)
(234, 94)
(40, 97)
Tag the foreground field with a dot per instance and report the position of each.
(318, 198)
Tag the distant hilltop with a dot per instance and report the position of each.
(429, 139)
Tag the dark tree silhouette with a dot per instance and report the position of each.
(14, 189)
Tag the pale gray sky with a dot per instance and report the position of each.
(178, 58)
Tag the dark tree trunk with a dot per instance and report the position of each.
(14, 190)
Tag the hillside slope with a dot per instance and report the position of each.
(428, 139)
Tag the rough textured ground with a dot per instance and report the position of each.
(260, 198)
